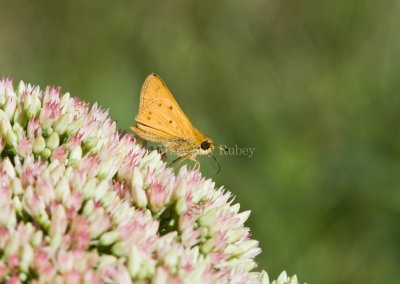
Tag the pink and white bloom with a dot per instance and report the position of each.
(82, 203)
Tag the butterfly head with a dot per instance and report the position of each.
(206, 146)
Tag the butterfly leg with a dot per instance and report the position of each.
(163, 153)
(184, 158)
(179, 160)
(196, 163)
(190, 157)
(168, 148)
(174, 161)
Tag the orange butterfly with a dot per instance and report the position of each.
(161, 120)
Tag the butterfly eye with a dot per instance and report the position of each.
(205, 145)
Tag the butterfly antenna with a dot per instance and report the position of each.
(219, 166)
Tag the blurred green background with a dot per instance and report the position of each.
(312, 85)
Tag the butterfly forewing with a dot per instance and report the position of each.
(159, 113)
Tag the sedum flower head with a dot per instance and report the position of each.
(82, 203)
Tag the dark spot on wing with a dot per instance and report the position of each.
(159, 104)
(170, 107)
(150, 112)
(148, 117)
(170, 121)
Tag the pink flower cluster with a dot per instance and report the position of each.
(81, 203)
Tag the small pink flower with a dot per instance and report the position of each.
(24, 146)
(80, 236)
(44, 189)
(50, 113)
(6, 85)
(43, 265)
(51, 95)
(33, 203)
(157, 196)
(73, 277)
(14, 280)
(4, 236)
(3, 270)
(98, 114)
(59, 221)
(100, 222)
(74, 202)
(33, 129)
(13, 261)
(60, 154)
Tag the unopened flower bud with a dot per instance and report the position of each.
(45, 154)
(180, 206)
(76, 153)
(11, 138)
(9, 107)
(53, 141)
(60, 126)
(38, 144)
(208, 218)
(134, 261)
(74, 126)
